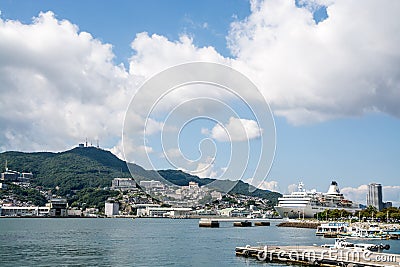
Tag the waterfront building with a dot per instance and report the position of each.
(123, 184)
(75, 212)
(90, 212)
(111, 208)
(157, 211)
(11, 211)
(235, 212)
(374, 196)
(142, 209)
(58, 207)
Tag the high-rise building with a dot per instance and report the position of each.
(123, 184)
(374, 196)
(111, 207)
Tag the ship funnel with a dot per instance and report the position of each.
(333, 189)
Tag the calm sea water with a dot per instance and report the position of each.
(139, 242)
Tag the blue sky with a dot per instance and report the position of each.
(118, 22)
(330, 74)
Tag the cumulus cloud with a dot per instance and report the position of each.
(292, 188)
(235, 130)
(174, 153)
(155, 53)
(58, 86)
(205, 169)
(357, 194)
(264, 185)
(346, 65)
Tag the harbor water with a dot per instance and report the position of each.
(141, 242)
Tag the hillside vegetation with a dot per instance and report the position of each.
(90, 167)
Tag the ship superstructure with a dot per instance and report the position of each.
(305, 204)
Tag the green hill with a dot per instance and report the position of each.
(70, 170)
(181, 178)
(91, 167)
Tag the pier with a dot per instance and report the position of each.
(319, 256)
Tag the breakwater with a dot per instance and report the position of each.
(300, 224)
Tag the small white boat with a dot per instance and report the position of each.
(373, 231)
(342, 243)
(332, 228)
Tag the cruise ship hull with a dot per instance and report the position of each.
(295, 212)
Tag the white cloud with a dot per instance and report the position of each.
(264, 185)
(391, 193)
(346, 65)
(156, 53)
(153, 126)
(205, 169)
(235, 130)
(58, 86)
(292, 188)
(358, 194)
(174, 153)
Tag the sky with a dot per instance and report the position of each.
(329, 71)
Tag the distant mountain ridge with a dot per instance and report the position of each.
(85, 167)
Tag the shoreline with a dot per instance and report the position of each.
(143, 217)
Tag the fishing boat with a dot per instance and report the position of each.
(372, 231)
(331, 229)
(342, 243)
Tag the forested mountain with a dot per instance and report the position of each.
(91, 167)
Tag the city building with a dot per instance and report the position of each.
(234, 212)
(90, 212)
(142, 209)
(74, 212)
(3, 186)
(388, 204)
(111, 208)
(154, 210)
(123, 184)
(58, 207)
(215, 195)
(14, 176)
(375, 197)
(152, 184)
(9, 176)
(24, 211)
(25, 177)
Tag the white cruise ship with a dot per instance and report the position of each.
(305, 204)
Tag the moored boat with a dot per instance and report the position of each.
(305, 204)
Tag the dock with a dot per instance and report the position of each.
(318, 256)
